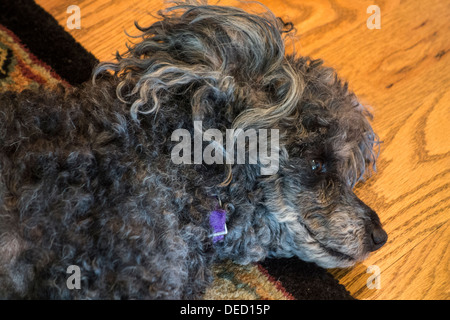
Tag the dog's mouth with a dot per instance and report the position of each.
(336, 253)
(332, 252)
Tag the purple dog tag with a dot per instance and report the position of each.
(217, 221)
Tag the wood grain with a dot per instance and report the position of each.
(403, 71)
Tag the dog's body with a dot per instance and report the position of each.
(86, 182)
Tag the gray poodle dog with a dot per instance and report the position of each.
(87, 177)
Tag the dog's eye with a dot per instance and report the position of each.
(317, 166)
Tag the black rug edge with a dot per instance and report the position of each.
(305, 280)
(47, 40)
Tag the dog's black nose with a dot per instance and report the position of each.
(378, 237)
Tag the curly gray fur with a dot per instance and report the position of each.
(86, 177)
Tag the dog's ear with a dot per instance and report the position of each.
(364, 157)
(151, 79)
(207, 54)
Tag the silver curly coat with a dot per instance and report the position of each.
(86, 176)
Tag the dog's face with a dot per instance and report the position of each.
(329, 147)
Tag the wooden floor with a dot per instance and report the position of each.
(403, 71)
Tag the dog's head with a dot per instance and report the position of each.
(229, 68)
(329, 146)
(308, 207)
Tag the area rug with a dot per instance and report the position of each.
(35, 51)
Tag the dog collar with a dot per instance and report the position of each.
(217, 221)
